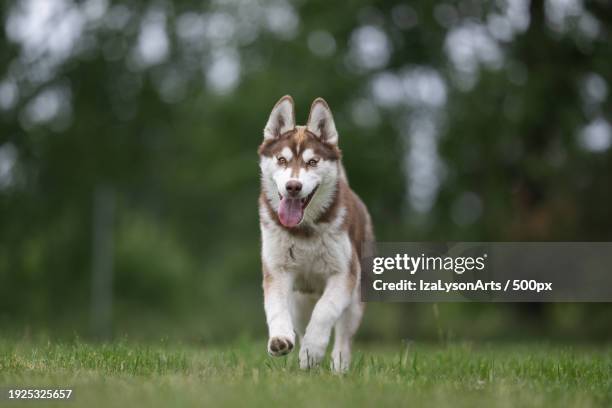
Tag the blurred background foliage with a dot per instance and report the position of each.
(129, 129)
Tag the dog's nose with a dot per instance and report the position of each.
(293, 187)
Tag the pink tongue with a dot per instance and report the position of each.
(290, 211)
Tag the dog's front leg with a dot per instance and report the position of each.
(278, 286)
(328, 309)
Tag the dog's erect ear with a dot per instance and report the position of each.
(321, 122)
(282, 118)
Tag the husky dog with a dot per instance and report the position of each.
(313, 227)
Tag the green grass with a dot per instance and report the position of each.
(125, 374)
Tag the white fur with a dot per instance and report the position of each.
(307, 155)
(281, 177)
(287, 154)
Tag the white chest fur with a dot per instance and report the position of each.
(312, 259)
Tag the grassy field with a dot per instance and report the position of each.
(126, 374)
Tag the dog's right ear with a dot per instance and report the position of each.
(282, 118)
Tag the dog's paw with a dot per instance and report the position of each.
(279, 346)
(311, 355)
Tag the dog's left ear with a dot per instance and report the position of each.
(321, 122)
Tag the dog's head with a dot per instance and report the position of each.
(299, 164)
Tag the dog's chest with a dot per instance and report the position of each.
(312, 258)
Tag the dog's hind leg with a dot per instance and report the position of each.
(344, 330)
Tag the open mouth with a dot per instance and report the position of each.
(291, 210)
(306, 200)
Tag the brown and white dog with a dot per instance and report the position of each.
(313, 227)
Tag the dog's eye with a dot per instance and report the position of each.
(312, 162)
(282, 161)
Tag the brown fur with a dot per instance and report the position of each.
(298, 140)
